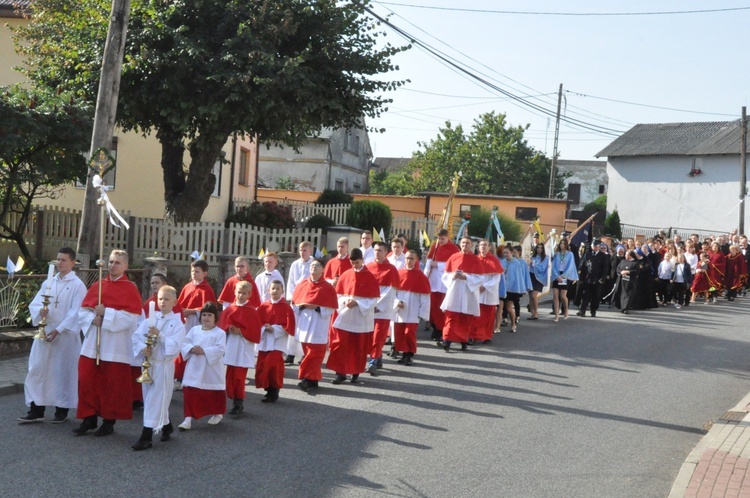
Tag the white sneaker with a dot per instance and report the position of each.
(177, 386)
(677, 306)
(186, 424)
(215, 419)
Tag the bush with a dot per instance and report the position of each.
(612, 226)
(286, 183)
(598, 204)
(413, 245)
(266, 214)
(368, 215)
(319, 221)
(330, 196)
(480, 220)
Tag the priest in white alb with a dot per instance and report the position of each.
(53, 363)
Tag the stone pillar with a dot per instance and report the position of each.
(285, 262)
(226, 268)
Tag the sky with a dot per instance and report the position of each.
(684, 62)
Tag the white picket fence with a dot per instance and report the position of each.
(413, 227)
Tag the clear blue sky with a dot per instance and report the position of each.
(693, 62)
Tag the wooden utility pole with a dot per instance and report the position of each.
(553, 167)
(743, 168)
(104, 120)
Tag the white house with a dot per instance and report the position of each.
(587, 181)
(336, 159)
(680, 175)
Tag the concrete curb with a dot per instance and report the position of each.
(717, 432)
(8, 388)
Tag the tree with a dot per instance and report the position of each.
(495, 159)
(330, 196)
(42, 139)
(612, 226)
(369, 214)
(197, 71)
(397, 183)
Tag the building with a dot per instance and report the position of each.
(136, 184)
(587, 181)
(390, 164)
(680, 175)
(336, 159)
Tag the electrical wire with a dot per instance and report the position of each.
(578, 94)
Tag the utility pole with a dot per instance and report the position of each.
(743, 168)
(104, 120)
(553, 167)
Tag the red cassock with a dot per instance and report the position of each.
(227, 294)
(269, 371)
(736, 272)
(336, 266)
(405, 334)
(107, 389)
(323, 294)
(440, 254)
(387, 276)
(484, 324)
(349, 350)
(192, 296)
(716, 269)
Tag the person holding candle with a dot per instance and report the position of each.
(53, 363)
(166, 329)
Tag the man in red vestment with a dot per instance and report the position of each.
(387, 276)
(463, 278)
(314, 301)
(193, 296)
(338, 264)
(104, 388)
(242, 267)
(484, 325)
(412, 303)
(436, 259)
(352, 327)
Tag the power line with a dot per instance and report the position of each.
(648, 105)
(571, 14)
(494, 97)
(458, 66)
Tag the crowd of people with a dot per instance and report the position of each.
(100, 342)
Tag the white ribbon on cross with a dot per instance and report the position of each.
(111, 211)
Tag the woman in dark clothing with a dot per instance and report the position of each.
(617, 255)
(646, 292)
(627, 280)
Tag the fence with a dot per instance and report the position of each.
(302, 210)
(53, 228)
(413, 227)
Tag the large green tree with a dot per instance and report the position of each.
(197, 71)
(42, 139)
(494, 158)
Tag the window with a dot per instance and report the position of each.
(109, 176)
(526, 213)
(466, 208)
(347, 139)
(244, 162)
(356, 145)
(574, 193)
(216, 171)
(357, 188)
(339, 185)
(602, 188)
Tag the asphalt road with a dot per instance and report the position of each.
(605, 407)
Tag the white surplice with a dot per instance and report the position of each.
(462, 296)
(360, 318)
(53, 366)
(157, 396)
(398, 261)
(312, 326)
(435, 276)
(205, 371)
(491, 283)
(116, 341)
(263, 279)
(416, 306)
(298, 271)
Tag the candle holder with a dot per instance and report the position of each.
(41, 334)
(145, 377)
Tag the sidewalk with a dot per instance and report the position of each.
(719, 466)
(14, 360)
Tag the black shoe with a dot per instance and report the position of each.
(464, 346)
(625, 312)
(30, 418)
(440, 344)
(141, 445)
(304, 384)
(355, 379)
(472, 342)
(372, 370)
(88, 424)
(273, 395)
(59, 418)
(402, 361)
(447, 346)
(410, 360)
(488, 341)
(107, 428)
(581, 313)
(313, 384)
(166, 433)
(339, 379)
(289, 359)
(137, 405)
(238, 407)
(593, 314)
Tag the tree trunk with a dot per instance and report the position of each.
(187, 196)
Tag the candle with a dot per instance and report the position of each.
(50, 274)
(151, 316)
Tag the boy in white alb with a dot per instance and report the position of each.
(298, 271)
